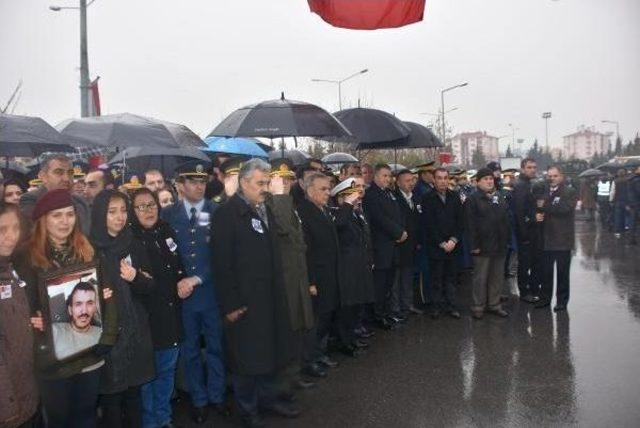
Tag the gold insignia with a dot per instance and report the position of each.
(77, 170)
(199, 169)
(284, 168)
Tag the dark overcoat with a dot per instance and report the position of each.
(322, 254)
(442, 221)
(356, 263)
(559, 218)
(290, 240)
(386, 224)
(487, 223)
(248, 274)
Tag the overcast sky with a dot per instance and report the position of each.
(195, 61)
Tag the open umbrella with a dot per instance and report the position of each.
(281, 118)
(29, 137)
(298, 157)
(164, 159)
(339, 158)
(373, 129)
(420, 137)
(235, 146)
(591, 173)
(127, 130)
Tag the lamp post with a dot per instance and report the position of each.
(340, 82)
(442, 106)
(438, 114)
(84, 57)
(546, 116)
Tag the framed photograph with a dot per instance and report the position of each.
(72, 310)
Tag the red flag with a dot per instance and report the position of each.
(94, 98)
(368, 14)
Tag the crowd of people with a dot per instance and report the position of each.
(254, 274)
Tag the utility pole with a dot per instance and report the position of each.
(84, 61)
(546, 116)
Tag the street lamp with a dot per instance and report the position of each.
(442, 105)
(546, 116)
(339, 83)
(84, 57)
(438, 114)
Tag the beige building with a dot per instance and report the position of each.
(585, 143)
(465, 144)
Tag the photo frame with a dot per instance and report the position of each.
(72, 304)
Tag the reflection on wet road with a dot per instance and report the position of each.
(536, 368)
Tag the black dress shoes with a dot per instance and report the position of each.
(454, 314)
(363, 333)
(284, 409)
(305, 384)
(199, 414)
(435, 314)
(221, 409)
(325, 360)
(499, 312)
(315, 370)
(350, 351)
(360, 344)
(542, 304)
(253, 421)
(559, 308)
(385, 324)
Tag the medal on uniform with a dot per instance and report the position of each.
(203, 219)
(419, 208)
(257, 225)
(171, 244)
(5, 291)
(556, 200)
(495, 199)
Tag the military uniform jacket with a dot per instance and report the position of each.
(487, 223)
(559, 218)
(322, 254)
(387, 224)
(194, 247)
(248, 274)
(290, 239)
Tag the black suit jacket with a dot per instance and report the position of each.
(322, 254)
(387, 224)
(442, 221)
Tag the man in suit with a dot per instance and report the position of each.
(322, 260)
(191, 220)
(443, 226)
(387, 230)
(402, 293)
(556, 213)
(248, 272)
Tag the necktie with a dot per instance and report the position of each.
(193, 217)
(262, 212)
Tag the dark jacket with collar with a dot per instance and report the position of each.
(247, 268)
(487, 223)
(559, 218)
(406, 251)
(164, 305)
(322, 254)
(387, 224)
(442, 221)
(194, 248)
(524, 210)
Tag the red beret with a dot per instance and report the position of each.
(52, 200)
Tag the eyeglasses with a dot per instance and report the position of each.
(146, 207)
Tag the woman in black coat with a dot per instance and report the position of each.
(126, 266)
(165, 317)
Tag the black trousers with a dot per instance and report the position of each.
(383, 284)
(529, 269)
(561, 260)
(323, 327)
(71, 402)
(252, 391)
(123, 409)
(443, 280)
(347, 318)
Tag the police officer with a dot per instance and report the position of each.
(191, 219)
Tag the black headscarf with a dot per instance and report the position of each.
(117, 246)
(137, 229)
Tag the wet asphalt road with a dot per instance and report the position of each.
(534, 369)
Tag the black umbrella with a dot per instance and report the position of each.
(127, 130)
(420, 137)
(591, 173)
(298, 157)
(165, 159)
(339, 158)
(374, 129)
(620, 163)
(27, 136)
(281, 118)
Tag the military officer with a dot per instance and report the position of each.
(191, 220)
(425, 178)
(229, 170)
